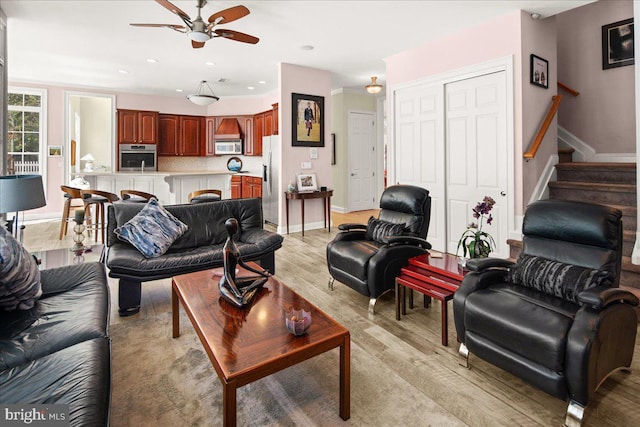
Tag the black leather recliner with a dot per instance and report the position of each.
(556, 318)
(369, 266)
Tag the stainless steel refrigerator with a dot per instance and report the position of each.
(270, 181)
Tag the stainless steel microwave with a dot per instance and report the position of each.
(138, 157)
(228, 147)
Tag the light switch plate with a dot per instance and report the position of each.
(305, 165)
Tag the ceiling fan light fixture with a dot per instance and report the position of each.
(374, 87)
(200, 97)
(199, 36)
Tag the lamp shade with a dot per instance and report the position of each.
(88, 158)
(200, 97)
(21, 193)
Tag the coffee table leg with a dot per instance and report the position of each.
(175, 311)
(345, 378)
(229, 404)
(445, 328)
(398, 300)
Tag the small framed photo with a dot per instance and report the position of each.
(617, 44)
(539, 71)
(307, 182)
(55, 150)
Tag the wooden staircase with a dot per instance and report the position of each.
(612, 184)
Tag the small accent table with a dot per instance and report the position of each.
(437, 278)
(302, 196)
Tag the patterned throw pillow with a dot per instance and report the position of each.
(562, 280)
(152, 231)
(377, 229)
(19, 275)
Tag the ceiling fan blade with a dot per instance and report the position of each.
(175, 9)
(179, 28)
(237, 36)
(229, 15)
(197, 45)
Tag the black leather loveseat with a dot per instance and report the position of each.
(59, 351)
(199, 248)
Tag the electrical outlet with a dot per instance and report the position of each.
(305, 165)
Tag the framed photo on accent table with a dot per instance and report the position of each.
(307, 120)
(307, 182)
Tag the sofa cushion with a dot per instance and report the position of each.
(152, 231)
(556, 278)
(74, 307)
(78, 376)
(19, 275)
(378, 229)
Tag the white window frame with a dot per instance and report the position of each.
(42, 110)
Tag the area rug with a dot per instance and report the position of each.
(161, 381)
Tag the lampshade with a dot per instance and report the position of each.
(199, 36)
(21, 193)
(88, 158)
(201, 98)
(374, 87)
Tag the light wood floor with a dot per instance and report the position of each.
(481, 396)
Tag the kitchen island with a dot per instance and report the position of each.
(169, 187)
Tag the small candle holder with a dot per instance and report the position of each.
(297, 321)
(78, 236)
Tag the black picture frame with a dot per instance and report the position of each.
(539, 71)
(333, 148)
(617, 44)
(307, 133)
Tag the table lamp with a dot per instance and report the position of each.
(88, 165)
(20, 193)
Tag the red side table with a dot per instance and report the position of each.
(437, 278)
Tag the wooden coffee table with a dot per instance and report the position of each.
(245, 345)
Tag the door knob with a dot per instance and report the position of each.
(353, 174)
(502, 193)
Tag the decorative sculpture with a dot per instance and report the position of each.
(239, 291)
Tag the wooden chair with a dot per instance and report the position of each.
(98, 199)
(203, 196)
(70, 193)
(135, 196)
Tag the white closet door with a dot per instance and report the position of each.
(419, 150)
(476, 155)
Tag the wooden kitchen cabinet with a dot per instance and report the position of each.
(181, 135)
(137, 127)
(210, 136)
(246, 186)
(268, 123)
(253, 146)
(275, 119)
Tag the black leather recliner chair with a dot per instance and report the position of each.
(556, 318)
(370, 266)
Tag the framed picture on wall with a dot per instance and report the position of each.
(55, 150)
(617, 44)
(539, 71)
(333, 148)
(307, 120)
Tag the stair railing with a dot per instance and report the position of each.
(544, 127)
(568, 89)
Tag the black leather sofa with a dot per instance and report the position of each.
(59, 352)
(556, 318)
(198, 249)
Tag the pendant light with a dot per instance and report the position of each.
(201, 98)
(374, 87)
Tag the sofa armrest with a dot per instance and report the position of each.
(351, 226)
(407, 240)
(600, 297)
(481, 264)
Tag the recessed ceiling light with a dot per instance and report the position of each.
(152, 61)
(123, 71)
(535, 16)
(210, 63)
(250, 87)
(178, 90)
(306, 47)
(262, 82)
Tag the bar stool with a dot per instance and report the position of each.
(70, 193)
(98, 199)
(135, 196)
(204, 196)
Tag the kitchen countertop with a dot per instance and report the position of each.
(157, 173)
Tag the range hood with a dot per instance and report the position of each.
(228, 130)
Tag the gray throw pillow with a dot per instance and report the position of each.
(152, 231)
(20, 285)
(378, 229)
(556, 278)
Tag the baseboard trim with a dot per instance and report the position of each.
(297, 228)
(541, 190)
(585, 153)
(338, 209)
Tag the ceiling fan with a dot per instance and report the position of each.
(200, 31)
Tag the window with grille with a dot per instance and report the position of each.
(26, 137)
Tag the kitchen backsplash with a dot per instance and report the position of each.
(250, 164)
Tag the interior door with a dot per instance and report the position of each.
(476, 155)
(419, 151)
(362, 143)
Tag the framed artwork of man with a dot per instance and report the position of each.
(307, 120)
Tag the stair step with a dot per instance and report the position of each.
(565, 155)
(615, 173)
(618, 194)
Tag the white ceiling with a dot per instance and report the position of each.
(86, 43)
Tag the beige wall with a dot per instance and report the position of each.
(343, 102)
(603, 115)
